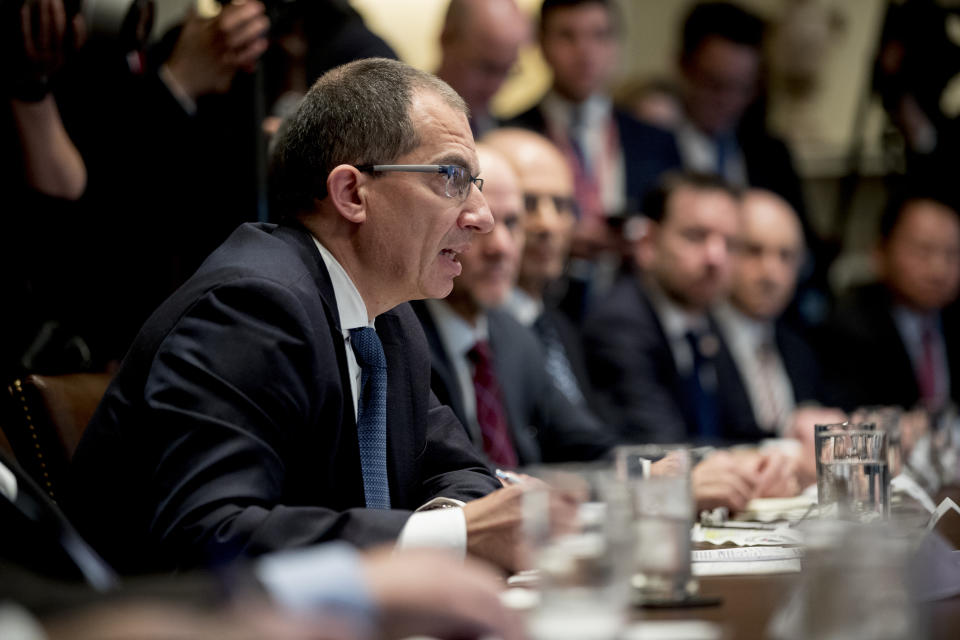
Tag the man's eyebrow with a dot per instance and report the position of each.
(457, 159)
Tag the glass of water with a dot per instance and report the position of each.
(577, 529)
(658, 478)
(853, 480)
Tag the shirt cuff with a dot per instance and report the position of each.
(326, 579)
(436, 529)
(177, 91)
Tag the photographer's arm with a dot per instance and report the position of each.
(52, 164)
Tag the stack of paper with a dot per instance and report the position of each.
(746, 561)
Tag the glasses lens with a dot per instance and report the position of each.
(457, 182)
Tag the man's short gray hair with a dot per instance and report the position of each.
(358, 113)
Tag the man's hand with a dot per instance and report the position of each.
(495, 523)
(210, 51)
(776, 473)
(722, 480)
(432, 594)
(43, 26)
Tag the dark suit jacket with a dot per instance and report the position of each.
(865, 358)
(229, 429)
(636, 381)
(647, 151)
(544, 426)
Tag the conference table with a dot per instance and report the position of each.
(749, 602)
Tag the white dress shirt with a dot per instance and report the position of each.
(766, 380)
(524, 308)
(699, 153)
(604, 156)
(676, 322)
(440, 528)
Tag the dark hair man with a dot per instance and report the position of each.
(895, 342)
(281, 396)
(720, 64)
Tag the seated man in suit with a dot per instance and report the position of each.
(720, 61)
(653, 349)
(615, 158)
(479, 45)
(896, 342)
(777, 367)
(281, 397)
(489, 368)
(547, 184)
(660, 368)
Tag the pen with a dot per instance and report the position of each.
(508, 477)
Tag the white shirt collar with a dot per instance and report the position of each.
(676, 321)
(350, 306)
(743, 328)
(457, 335)
(523, 307)
(558, 110)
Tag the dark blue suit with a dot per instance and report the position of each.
(229, 429)
(639, 388)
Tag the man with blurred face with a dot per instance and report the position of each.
(547, 184)
(720, 60)
(615, 158)
(479, 44)
(896, 342)
(489, 368)
(776, 366)
(652, 347)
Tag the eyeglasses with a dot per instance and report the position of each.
(458, 178)
(561, 204)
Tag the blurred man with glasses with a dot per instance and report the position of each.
(281, 397)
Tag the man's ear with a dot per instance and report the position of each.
(343, 189)
(645, 246)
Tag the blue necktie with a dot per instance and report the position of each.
(372, 416)
(557, 363)
(700, 387)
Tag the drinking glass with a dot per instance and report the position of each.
(577, 531)
(658, 478)
(853, 481)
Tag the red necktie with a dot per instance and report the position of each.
(490, 414)
(927, 371)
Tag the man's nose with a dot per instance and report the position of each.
(476, 215)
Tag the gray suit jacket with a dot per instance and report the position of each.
(544, 426)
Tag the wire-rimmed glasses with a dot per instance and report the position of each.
(458, 178)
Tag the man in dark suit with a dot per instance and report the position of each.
(281, 397)
(720, 60)
(549, 217)
(896, 342)
(615, 158)
(654, 353)
(488, 367)
(775, 367)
